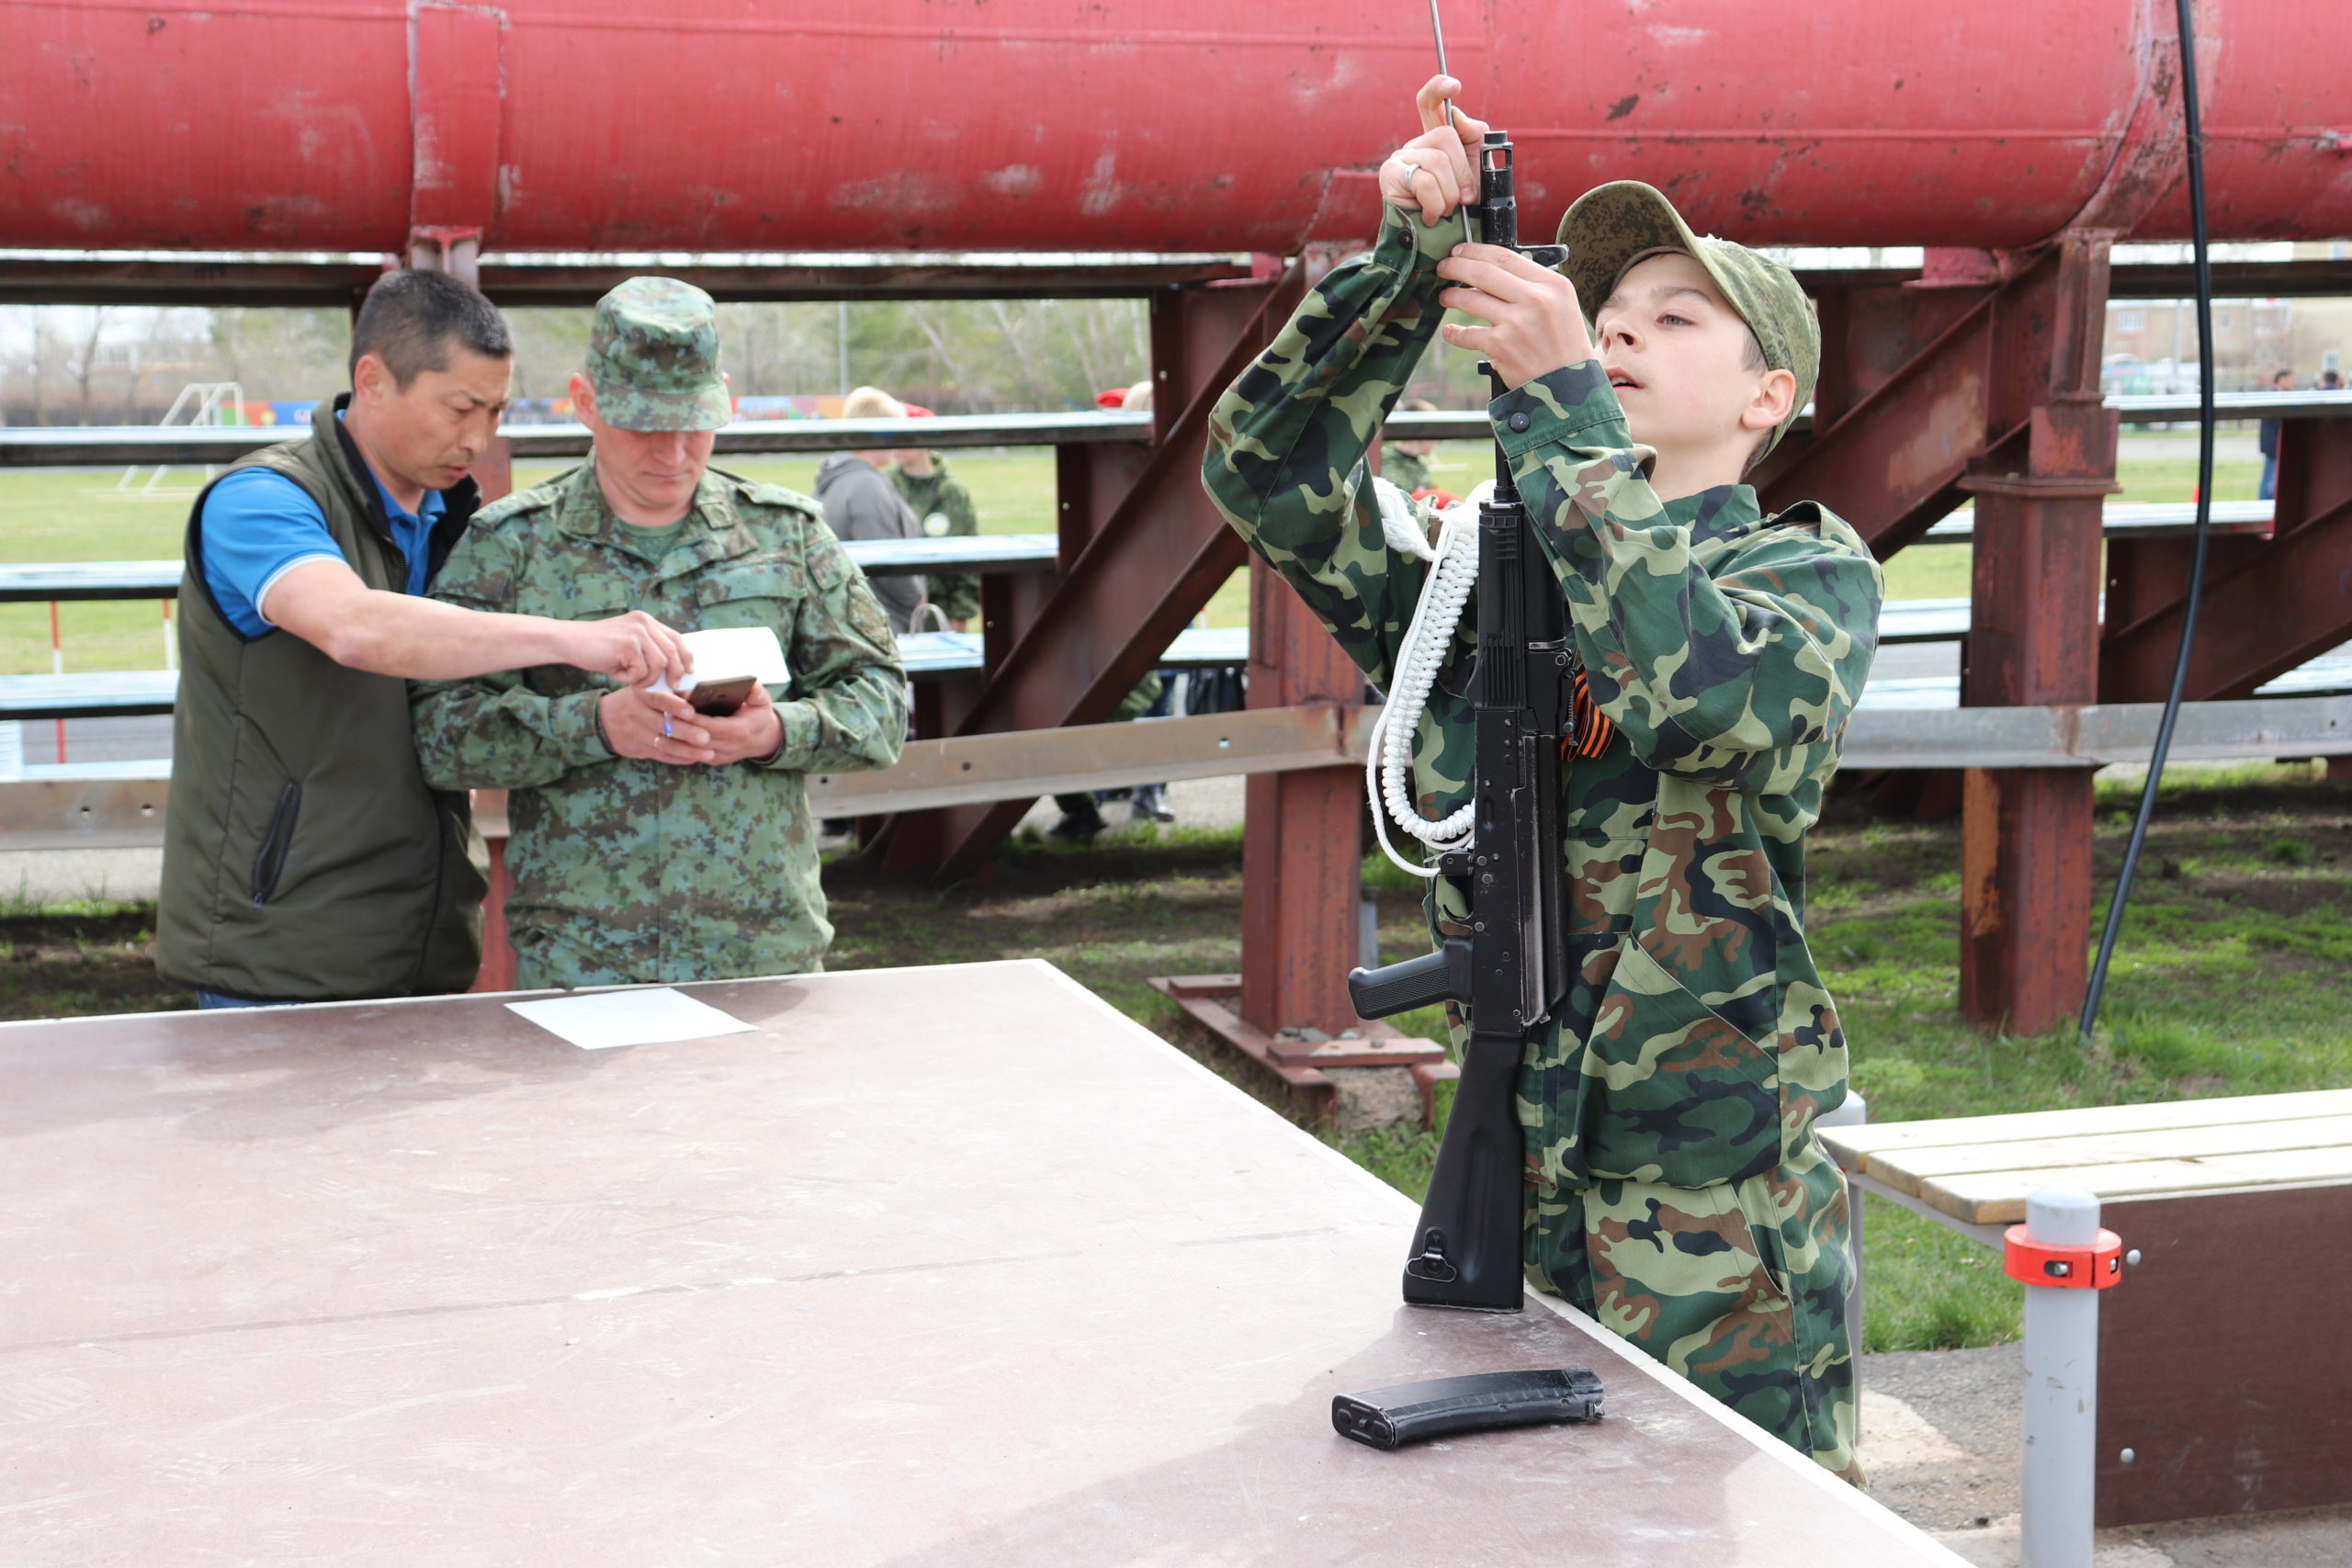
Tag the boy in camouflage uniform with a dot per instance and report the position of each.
(1677, 1191)
(651, 842)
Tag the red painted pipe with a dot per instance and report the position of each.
(749, 125)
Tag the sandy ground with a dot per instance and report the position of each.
(1941, 1440)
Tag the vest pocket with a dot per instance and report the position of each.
(1688, 1100)
(269, 860)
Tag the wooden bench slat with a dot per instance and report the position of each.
(2088, 1121)
(2000, 1199)
(2048, 1159)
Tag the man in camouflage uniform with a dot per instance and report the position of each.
(651, 842)
(945, 509)
(1676, 1189)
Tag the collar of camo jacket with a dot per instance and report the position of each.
(1713, 513)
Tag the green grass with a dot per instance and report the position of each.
(1928, 1288)
(53, 514)
(81, 959)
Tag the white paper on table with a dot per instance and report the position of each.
(730, 651)
(607, 1019)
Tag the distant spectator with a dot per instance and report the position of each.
(2331, 381)
(945, 507)
(1406, 464)
(1081, 816)
(861, 503)
(2280, 381)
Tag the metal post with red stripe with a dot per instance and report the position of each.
(2064, 1260)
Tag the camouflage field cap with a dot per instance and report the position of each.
(653, 357)
(1613, 226)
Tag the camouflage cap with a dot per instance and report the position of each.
(1611, 227)
(653, 357)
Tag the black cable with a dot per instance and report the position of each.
(2204, 519)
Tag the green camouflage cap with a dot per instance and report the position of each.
(653, 357)
(1613, 226)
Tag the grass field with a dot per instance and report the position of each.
(79, 515)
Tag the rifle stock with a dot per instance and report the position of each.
(1511, 972)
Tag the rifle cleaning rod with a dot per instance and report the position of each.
(1437, 26)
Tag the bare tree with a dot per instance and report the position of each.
(1016, 339)
(939, 345)
(88, 361)
(40, 367)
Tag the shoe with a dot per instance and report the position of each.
(1076, 829)
(1080, 820)
(1150, 804)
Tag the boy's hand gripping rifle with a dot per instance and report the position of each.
(1511, 972)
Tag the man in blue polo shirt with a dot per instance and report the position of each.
(305, 859)
(259, 526)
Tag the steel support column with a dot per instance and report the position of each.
(2026, 837)
(2269, 605)
(1301, 851)
(1009, 605)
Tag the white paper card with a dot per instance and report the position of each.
(607, 1019)
(730, 651)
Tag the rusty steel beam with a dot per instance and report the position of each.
(1302, 853)
(1917, 379)
(497, 972)
(2268, 606)
(1151, 565)
(2026, 833)
(1916, 383)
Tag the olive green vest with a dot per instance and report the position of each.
(304, 859)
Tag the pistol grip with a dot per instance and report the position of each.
(1439, 977)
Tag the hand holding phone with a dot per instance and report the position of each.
(752, 731)
(720, 699)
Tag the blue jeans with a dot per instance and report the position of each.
(2270, 491)
(215, 1000)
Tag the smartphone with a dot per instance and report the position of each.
(719, 699)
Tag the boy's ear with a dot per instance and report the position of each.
(1776, 393)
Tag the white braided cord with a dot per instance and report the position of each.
(1388, 766)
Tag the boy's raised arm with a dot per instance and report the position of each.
(1287, 439)
(1740, 669)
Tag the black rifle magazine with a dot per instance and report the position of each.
(1483, 1402)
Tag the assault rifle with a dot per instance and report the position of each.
(1511, 970)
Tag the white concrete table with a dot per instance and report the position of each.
(947, 1266)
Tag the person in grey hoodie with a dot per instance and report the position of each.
(861, 503)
